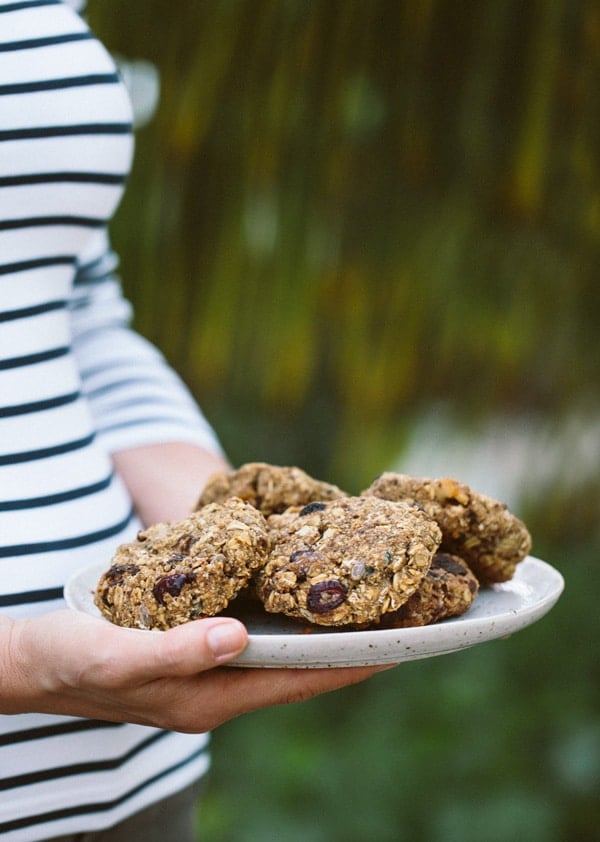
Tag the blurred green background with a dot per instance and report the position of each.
(367, 233)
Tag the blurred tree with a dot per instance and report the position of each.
(345, 210)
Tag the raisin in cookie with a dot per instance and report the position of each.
(175, 572)
(479, 529)
(269, 488)
(448, 590)
(346, 562)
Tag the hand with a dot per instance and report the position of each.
(72, 664)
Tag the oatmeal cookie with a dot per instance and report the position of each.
(479, 529)
(347, 561)
(269, 488)
(448, 590)
(180, 571)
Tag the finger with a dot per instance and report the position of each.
(137, 656)
(247, 690)
(200, 645)
(120, 657)
(209, 699)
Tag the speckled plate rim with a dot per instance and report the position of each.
(274, 642)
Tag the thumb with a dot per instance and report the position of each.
(198, 645)
(135, 657)
(87, 651)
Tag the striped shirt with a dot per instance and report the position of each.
(76, 383)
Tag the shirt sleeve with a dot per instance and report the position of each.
(134, 396)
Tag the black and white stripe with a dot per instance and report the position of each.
(75, 384)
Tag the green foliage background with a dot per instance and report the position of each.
(345, 213)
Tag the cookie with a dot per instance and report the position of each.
(175, 572)
(479, 529)
(448, 590)
(347, 561)
(269, 488)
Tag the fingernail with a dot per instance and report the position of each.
(225, 640)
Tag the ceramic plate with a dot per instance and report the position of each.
(276, 641)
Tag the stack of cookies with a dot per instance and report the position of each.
(405, 552)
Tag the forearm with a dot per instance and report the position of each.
(165, 480)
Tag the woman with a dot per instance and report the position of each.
(104, 726)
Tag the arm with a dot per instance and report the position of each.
(161, 444)
(165, 480)
(135, 397)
